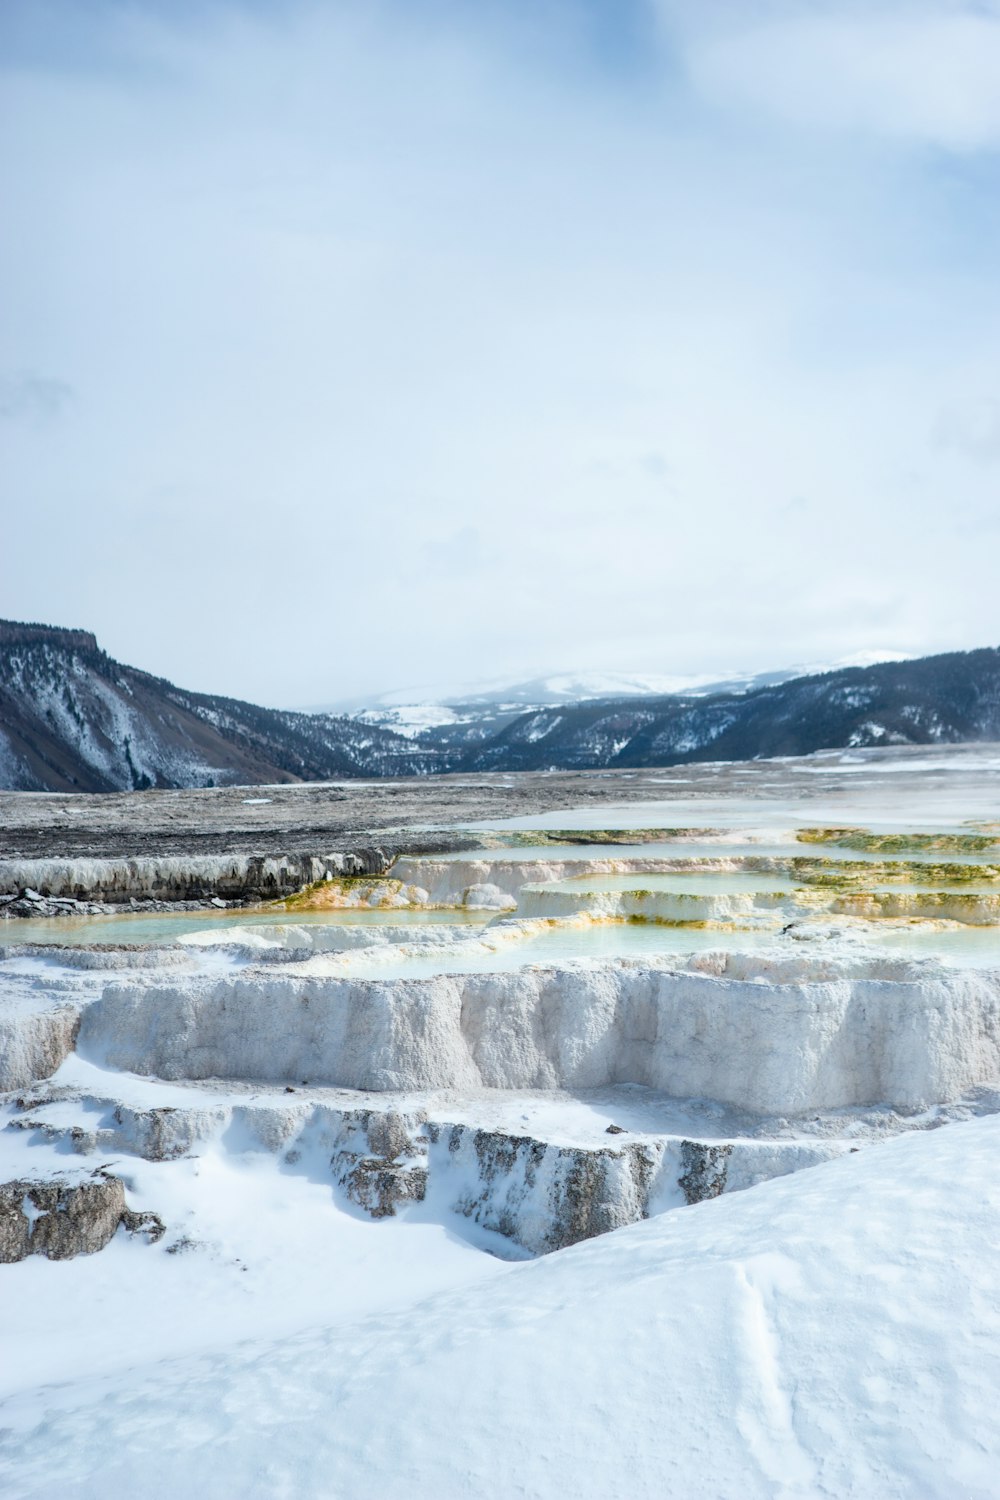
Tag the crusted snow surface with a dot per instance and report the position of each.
(833, 1333)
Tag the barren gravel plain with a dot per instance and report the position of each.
(948, 783)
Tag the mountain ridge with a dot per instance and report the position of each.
(953, 697)
(583, 686)
(74, 719)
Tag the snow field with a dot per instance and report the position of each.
(834, 1333)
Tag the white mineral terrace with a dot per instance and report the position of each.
(778, 971)
(498, 1053)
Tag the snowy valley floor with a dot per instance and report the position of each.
(616, 1153)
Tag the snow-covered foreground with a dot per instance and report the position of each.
(832, 1333)
(271, 1194)
(271, 1254)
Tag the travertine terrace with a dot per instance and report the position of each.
(683, 986)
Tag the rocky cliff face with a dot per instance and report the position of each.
(539, 1194)
(72, 719)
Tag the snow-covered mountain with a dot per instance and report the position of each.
(492, 705)
(72, 719)
(931, 700)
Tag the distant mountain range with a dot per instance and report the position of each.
(73, 719)
(949, 699)
(484, 709)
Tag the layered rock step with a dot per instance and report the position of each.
(541, 1170)
(771, 1037)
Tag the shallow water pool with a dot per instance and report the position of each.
(167, 927)
(725, 883)
(697, 850)
(558, 944)
(964, 948)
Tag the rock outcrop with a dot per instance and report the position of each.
(64, 1217)
(539, 1194)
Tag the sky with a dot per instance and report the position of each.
(349, 346)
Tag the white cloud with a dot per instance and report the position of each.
(928, 73)
(408, 350)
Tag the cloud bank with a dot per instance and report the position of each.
(409, 341)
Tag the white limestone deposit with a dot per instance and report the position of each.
(41, 1002)
(449, 882)
(307, 938)
(35, 1037)
(554, 900)
(773, 1047)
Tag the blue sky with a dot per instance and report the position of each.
(352, 345)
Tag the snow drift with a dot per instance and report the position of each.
(833, 1333)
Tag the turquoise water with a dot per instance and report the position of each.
(967, 948)
(696, 851)
(681, 882)
(559, 944)
(167, 927)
